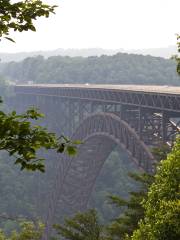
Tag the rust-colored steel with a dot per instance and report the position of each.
(103, 117)
(100, 133)
(156, 97)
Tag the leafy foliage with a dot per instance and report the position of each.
(20, 197)
(177, 56)
(18, 135)
(161, 152)
(162, 208)
(133, 211)
(22, 139)
(23, 193)
(113, 179)
(28, 231)
(118, 69)
(127, 222)
(19, 16)
(83, 226)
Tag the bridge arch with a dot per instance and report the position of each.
(100, 133)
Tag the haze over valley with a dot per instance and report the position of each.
(156, 52)
(89, 120)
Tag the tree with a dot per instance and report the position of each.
(127, 222)
(83, 226)
(177, 56)
(28, 231)
(22, 139)
(162, 208)
(133, 211)
(18, 135)
(19, 16)
(117, 69)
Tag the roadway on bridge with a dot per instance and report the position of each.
(135, 88)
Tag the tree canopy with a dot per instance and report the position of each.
(19, 16)
(83, 226)
(127, 222)
(162, 208)
(27, 231)
(121, 68)
(22, 139)
(18, 135)
(22, 136)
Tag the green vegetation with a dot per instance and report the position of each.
(19, 191)
(26, 197)
(113, 180)
(132, 208)
(151, 215)
(19, 16)
(127, 222)
(27, 231)
(162, 208)
(118, 69)
(128, 213)
(18, 135)
(159, 209)
(83, 226)
(22, 139)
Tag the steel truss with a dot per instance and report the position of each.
(136, 121)
(155, 100)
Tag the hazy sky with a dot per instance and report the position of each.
(111, 24)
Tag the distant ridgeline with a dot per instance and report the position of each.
(121, 68)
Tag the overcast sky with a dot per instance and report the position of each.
(110, 24)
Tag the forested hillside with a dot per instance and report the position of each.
(121, 68)
(166, 52)
(25, 194)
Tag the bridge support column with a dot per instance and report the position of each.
(122, 111)
(140, 123)
(81, 113)
(165, 119)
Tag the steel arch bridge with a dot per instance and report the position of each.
(136, 118)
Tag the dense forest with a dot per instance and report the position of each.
(21, 199)
(166, 52)
(151, 210)
(121, 68)
(25, 195)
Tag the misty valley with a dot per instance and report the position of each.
(121, 113)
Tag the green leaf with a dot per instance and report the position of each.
(77, 142)
(61, 148)
(10, 39)
(71, 150)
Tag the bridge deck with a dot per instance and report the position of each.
(164, 98)
(135, 88)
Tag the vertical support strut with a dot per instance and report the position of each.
(140, 122)
(122, 111)
(81, 108)
(164, 126)
(65, 113)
